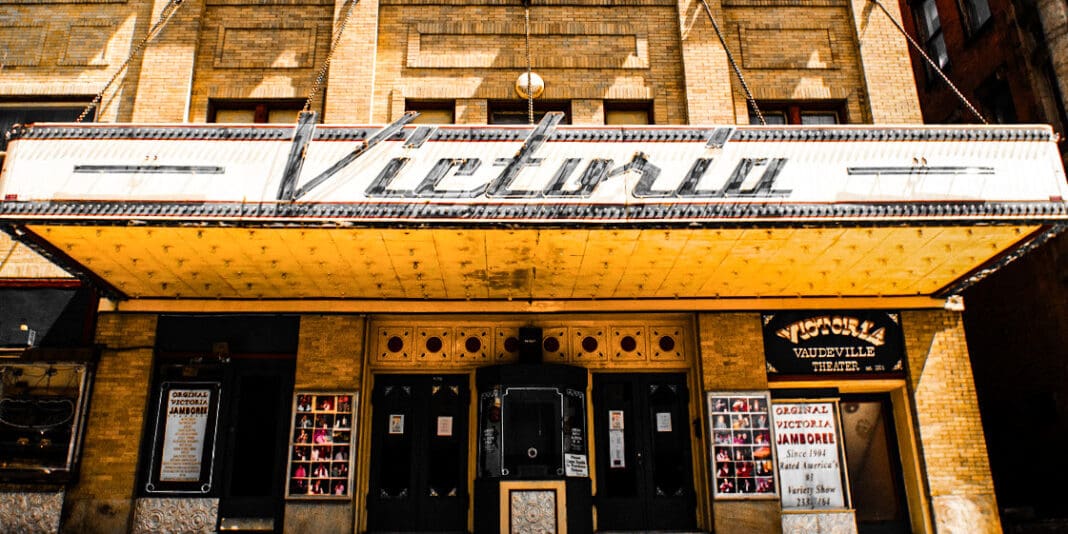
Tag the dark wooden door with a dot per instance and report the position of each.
(418, 478)
(644, 467)
(256, 405)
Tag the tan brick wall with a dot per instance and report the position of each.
(732, 358)
(582, 52)
(166, 67)
(19, 261)
(587, 112)
(732, 351)
(884, 53)
(951, 432)
(102, 498)
(352, 71)
(329, 357)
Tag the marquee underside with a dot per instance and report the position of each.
(182, 262)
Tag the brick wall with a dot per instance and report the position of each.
(329, 357)
(951, 431)
(101, 500)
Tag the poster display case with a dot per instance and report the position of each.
(183, 444)
(743, 458)
(321, 445)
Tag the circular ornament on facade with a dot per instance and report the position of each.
(511, 344)
(551, 344)
(537, 85)
(589, 344)
(395, 344)
(433, 344)
(473, 344)
(667, 343)
(628, 344)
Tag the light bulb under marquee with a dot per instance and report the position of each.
(536, 84)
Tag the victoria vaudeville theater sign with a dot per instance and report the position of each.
(833, 342)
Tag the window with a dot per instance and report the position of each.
(283, 111)
(804, 113)
(976, 14)
(930, 29)
(628, 112)
(432, 111)
(515, 111)
(12, 113)
(995, 100)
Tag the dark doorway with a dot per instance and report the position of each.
(874, 464)
(255, 423)
(418, 478)
(644, 467)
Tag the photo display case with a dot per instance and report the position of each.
(743, 458)
(321, 446)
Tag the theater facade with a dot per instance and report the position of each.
(518, 329)
(317, 266)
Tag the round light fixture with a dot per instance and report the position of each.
(536, 86)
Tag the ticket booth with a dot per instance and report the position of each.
(532, 450)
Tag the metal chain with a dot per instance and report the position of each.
(530, 68)
(734, 65)
(164, 17)
(321, 77)
(931, 62)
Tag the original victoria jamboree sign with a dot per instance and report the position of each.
(833, 342)
(808, 445)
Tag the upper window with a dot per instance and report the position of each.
(976, 14)
(995, 100)
(12, 113)
(628, 112)
(930, 29)
(283, 111)
(516, 112)
(803, 113)
(432, 111)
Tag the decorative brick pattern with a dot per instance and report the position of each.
(786, 48)
(88, 43)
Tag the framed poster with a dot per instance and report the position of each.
(183, 446)
(811, 462)
(321, 446)
(743, 459)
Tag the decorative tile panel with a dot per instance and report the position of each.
(667, 342)
(433, 343)
(533, 512)
(589, 343)
(393, 344)
(473, 343)
(175, 515)
(628, 343)
(31, 512)
(555, 347)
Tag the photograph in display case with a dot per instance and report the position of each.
(321, 446)
(743, 459)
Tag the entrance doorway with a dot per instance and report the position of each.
(874, 464)
(418, 477)
(644, 466)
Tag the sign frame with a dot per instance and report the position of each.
(722, 435)
(847, 493)
(309, 441)
(204, 485)
(839, 343)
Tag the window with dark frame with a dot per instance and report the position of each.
(515, 111)
(628, 112)
(280, 111)
(799, 113)
(995, 100)
(976, 15)
(12, 113)
(432, 111)
(929, 26)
